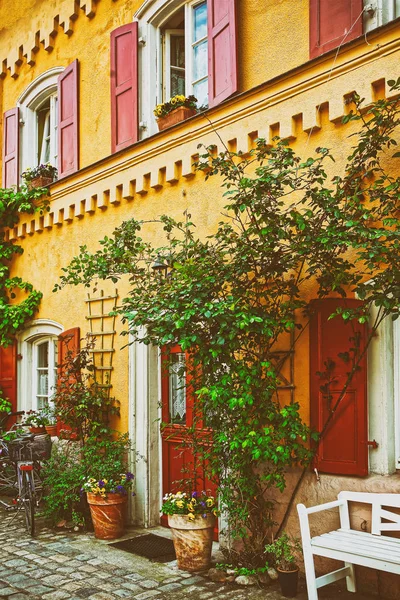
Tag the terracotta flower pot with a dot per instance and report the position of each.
(175, 116)
(51, 430)
(39, 182)
(288, 581)
(108, 514)
(37, 430)
(192, 541)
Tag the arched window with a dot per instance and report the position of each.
(38, 120)
(37, 375)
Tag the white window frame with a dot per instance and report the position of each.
(51, 340)
(152, 17)
(30, 101)
(379, 12)
(39, 331)
(166, 81)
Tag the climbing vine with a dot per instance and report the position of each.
(15, 310)
(289, 233)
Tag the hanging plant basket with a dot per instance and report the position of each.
(39, 182)
(175, 116)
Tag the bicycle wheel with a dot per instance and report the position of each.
(8, 476)
(28, 500)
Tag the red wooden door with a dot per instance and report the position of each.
(8, 376)
(182, 469)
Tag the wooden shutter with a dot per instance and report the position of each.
(124, 87)
(333, 22)
(222, 50)
(10, 148)
(343, 448)
(68, 121)
(8, 373)
(68, 341)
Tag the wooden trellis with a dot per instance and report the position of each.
(102, 328)
(283, 361)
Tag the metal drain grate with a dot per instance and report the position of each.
(153, 547)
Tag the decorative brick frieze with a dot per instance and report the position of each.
(44, 31)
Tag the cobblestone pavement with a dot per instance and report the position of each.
(58, 566)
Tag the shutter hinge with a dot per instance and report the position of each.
(19, 356)
(374, 444)
(142, 41)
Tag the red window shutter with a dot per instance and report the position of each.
(333, 22)
(8, 373)
(343, 448)
(222, 50)
(68, 341)
(124, 87)
(10, 148)
(68, 121)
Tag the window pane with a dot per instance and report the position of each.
(43, 355)
(200, 90)
(177, 82)
(177, 51)
(177, 389)
(200, 58)
(43, 384)
(200, 21)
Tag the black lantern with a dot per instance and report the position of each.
(159, 266)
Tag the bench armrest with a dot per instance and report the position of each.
(301, 509)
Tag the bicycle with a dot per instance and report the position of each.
(8, 471)
(20, 453)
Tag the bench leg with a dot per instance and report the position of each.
(310, 574)
(351, 579)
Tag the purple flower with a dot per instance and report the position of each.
(204, 516)
(203, 504)
(129, 476)
(195, 494)
(133, 494)
(120, 489)
(101, 483)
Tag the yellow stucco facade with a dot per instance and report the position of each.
(281, 92)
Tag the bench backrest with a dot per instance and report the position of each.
(378, 501)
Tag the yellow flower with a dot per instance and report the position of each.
(190, 507)
(179, 504)
(191, 517)
(210, 501)
(173, 100)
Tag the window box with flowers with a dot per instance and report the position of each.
(40, 176)
(107, 501)
(191, 518)
(175, 110)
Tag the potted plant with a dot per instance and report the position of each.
(50, 417)
(191, 518)
(284, 551)
(36, 422)
(40, 176)
(5, 408)
(174, 111)
(107, 501)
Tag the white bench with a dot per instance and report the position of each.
(372, 550)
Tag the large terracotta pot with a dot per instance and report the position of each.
(192, 541)
(107, 515)
(174, 117)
